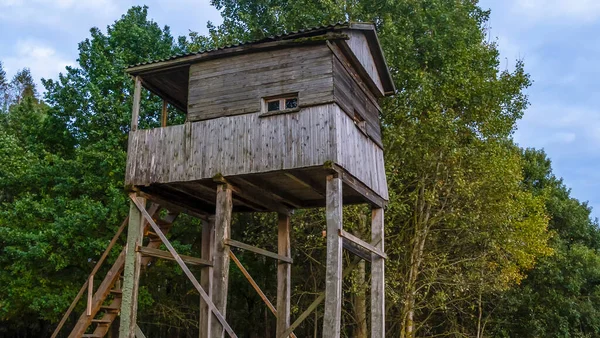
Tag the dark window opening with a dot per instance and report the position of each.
(280, 104)
(291, 103)
(273, 105)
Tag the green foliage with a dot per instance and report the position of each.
(560, 296)
(469, 213)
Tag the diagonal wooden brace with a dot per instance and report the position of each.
(256, 287)
(184, 267)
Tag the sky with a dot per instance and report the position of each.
(558, 40)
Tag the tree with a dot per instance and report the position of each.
(3, 89)
(454, 175)
(561, 296)
(22, 85)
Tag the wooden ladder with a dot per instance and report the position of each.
(104, 305)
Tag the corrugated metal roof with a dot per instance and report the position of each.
(302, 32)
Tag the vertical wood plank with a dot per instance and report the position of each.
(135, 113)
(333, 276)
(221, 254)
(131, 272)
(206, 275)
(377, 276)
(164, 114)
(284, 273)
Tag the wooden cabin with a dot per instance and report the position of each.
(274, 116)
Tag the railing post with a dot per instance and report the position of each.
(135, 113)
(90, 296)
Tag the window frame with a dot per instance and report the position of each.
(282, 101)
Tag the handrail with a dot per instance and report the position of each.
(88, 280)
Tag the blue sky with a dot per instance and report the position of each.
(557, 39)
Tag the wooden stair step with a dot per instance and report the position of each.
(109, 308)
(101, 321)
(116, 292)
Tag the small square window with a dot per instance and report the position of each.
(291, 103)
(273, 105)
(284, 103)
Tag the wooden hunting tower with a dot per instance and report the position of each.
(283, 123)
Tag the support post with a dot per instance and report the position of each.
(137, 93)
(332, 316)
(206, 275)
(284, 273)
(131, 271)
(221, 254)
(377, 276)
(164, 114)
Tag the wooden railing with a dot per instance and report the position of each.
(89, 284)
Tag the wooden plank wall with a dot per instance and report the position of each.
(352, 98)
(359, 155)
(245, 144)
(236, 85)
(360, 47)
(240, 144)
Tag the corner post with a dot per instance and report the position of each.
(221, 254)
(284, 273)
(332, 316)
(131, 271)
(206, 275)
(135, 113)
(377, 276)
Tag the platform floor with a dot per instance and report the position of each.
(265, 192)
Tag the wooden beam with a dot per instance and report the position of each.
(184, 267)
(253, 195)
(234, 243)
(135, 111)
(221, 253)
(356, 250)
(267, 189)
(305, 181)
(164, 115)
(157, 253)
(377, 276)
(256, 287)
(332, 316)
(284, 275)
(132, 268)
(206, 275)
(317, 301)
(362, 243)
(172, 205)
(88, 308)
(138, 332)
(359, 186)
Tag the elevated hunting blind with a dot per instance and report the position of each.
(283, 123)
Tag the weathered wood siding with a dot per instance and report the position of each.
(349, 95)
(236, 85)
(245, 144)
(359, 155)
(360, 47)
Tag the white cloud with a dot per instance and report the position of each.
(580, 10)
(57, 14)
(43, 60)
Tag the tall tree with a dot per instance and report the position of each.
(457, 207)
(3, 89)
(561, 296)
(22, 85)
